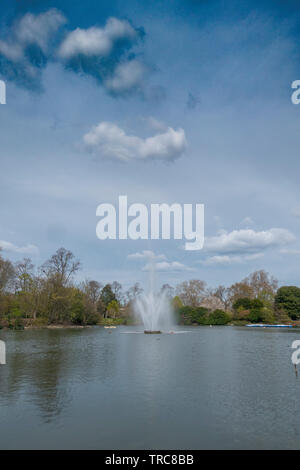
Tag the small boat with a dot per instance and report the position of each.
(110, 327)
(262, 325)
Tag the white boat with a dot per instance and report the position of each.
(110, 327)
(264, 325)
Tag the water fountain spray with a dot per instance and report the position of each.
(154, 308)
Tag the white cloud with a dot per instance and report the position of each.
(108, 140)
(227, 259)
(96, 41)
(31, 30)
(167, 266)
(126, 76)
(146, 254)
(24, 250)
(157, 265)
(248, 240)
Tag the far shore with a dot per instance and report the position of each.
(81, 327)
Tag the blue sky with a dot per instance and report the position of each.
(213, 78)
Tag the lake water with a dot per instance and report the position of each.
(219, 387)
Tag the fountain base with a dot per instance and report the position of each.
(152, 332)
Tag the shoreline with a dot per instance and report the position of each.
(81, 327)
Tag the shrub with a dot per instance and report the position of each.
(219, 317)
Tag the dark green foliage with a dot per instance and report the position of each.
(107, 295)
(247, 304)
(287, 300)
(251, 310)
(218, 317)
(255, 315)
(202, 316)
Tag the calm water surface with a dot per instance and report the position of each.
(220, 387)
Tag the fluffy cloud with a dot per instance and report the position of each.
(154, 262)
(126, 77)
(102, 53)
(25, 50)
(24, 250)
(248, 240)
(97, 41)
(167, 266)
(108, 140)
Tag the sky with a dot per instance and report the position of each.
(168, 101)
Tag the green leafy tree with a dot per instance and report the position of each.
(107, 295)
(287, 300)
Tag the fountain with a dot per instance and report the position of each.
(154, 309)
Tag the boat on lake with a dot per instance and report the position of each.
(265, 325)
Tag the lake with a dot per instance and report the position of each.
(94, 388)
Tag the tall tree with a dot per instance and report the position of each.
(223, 294)
(107, 295)
(92, 289)
(61, 267)
(24, 274)
(262, 284)
(192, 292)
(116, 287)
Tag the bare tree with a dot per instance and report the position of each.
(168, 290)
(92, 289)
(133, 292)
(240, 290)
(192, 292)
(223, 294)
(116, 287)
(61, 267)
(262, 284)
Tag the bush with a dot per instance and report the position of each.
(255, 315)
(219, 317)
(190, 315)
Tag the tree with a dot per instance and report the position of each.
(134, 292)
(24, 274)
(192, 292)
(61, 267)
(7, 275)
(168, 290)
(107, 295)
(92, 290)
(239, 290)
(262, 285)
(116, 287)
(287, 299)
(212, 302)
(223, 294)
(113, 309)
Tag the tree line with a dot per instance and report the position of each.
(48, 294)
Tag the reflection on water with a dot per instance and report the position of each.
(220, 387)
